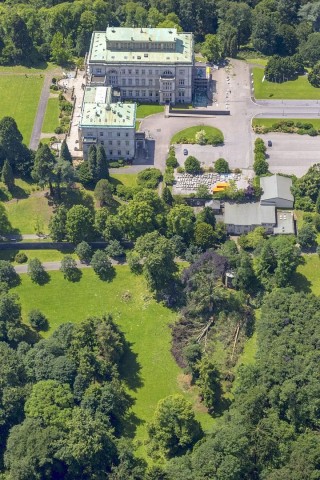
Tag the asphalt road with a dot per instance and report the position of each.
(38, 121)
(48, 266)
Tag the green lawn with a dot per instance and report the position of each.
(25, 214)
(145, 110)
(258, 61)
(307, 277)
(127, 179)
(189, 133)
(45, 140)
(42, 255)
(19, 99)
(51, 118)
(144, 322)
(294, 89)
(268, 122)
(42, 68)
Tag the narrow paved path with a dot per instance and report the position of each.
(38, 121)
(51, 266)
(28, 236)
(48, 266)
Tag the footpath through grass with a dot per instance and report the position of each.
(150, 369)
(51, 118)
(19, 99)
(291, 90)
(188, 134)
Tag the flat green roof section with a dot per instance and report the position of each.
(102, 52)
(98, 111)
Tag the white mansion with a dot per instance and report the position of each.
(107, 122)
(145, 64)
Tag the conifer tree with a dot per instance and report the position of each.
(92, 162)
(65, 153)
(7, 175)
(102, 170)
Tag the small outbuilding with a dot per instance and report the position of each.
(277, 191)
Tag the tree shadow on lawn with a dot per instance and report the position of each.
(129, 425)
(301, 283)
(19, 193)
(130, 369)
(74, 276)
(43, 279)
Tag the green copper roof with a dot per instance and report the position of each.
(102, 52)
(122, 34)
(98, 111)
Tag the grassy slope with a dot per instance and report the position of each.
(127, 179)
(51, 118)
(294, 89)
(19, 99)
(145, 110)
(24, 214)
(144, 322)
(191, 132)
(43, 68)
(268, 122)
(307, 277)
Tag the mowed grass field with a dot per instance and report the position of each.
(190, 133)
(307, 277)
(150, 368)
(127, 179)
(145, 110)
(51, 118)
(268, 122)
(291, 90)
(26, 213)
(19, 98)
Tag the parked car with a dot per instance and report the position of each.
(185, 151)
(269, 143)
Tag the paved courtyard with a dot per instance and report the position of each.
(292, 154)
(207, 154)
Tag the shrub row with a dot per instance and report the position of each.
(288, 126)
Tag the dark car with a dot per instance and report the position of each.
(185, 151)
(269, 143)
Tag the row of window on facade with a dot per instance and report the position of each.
(143, 71)
(142, 81)
(110, 134)
(136, 93)
(120, 152)
(111, 143)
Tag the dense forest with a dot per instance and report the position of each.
(35, 31)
